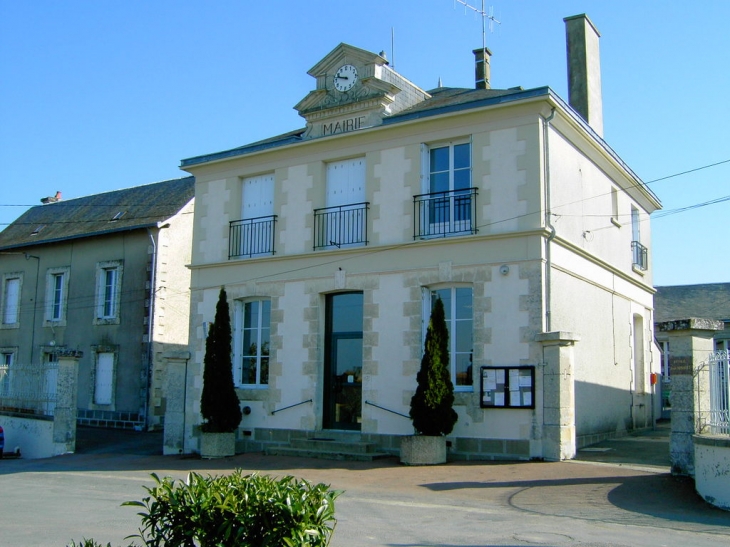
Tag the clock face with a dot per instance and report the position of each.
(345, 78)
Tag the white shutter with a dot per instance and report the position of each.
(104, 379)
(425, 170)
(12, 297)
(345, 182)
(258, 196)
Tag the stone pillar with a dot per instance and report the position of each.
(690, 343)
(558, 393)
(64, 414)
(175, 364)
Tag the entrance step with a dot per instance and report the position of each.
(347, 447)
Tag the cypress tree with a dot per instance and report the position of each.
(219, 404)
(432, 409)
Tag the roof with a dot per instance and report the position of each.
(708, 301)
(121, 210)
(442, 100)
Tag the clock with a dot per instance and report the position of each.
(345, 78)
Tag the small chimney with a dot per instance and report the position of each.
(50, 199)
(584, 70)
(482, 72)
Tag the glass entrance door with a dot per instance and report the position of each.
(343, 362)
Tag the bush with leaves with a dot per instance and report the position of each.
(219, 404)
(236, 510)
(432, 409)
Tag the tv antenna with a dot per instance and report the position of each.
(486, 16)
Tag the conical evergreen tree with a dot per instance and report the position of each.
(219, 404)
(432, 409)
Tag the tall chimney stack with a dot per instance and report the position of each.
(482, 71)
(584, 70)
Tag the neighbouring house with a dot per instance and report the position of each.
(676, 302)
(104, 275)
(333, 241)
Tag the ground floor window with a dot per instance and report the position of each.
(459, 315)
(104, 378)
(252, 326)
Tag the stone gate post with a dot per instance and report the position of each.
(690, 343)
(558, 431)
(64, 414)
(175, 364)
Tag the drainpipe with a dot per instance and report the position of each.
(548, 213)
(35, 301)
(150, 322)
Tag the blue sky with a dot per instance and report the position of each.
(107, 94)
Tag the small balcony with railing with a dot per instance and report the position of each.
(640, 256)
(443, 214)
(341, 226)
(251, 237)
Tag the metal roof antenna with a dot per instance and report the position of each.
(485, 17)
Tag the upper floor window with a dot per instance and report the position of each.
(251, 342)
(459, 317)
(254, 233)
(108, 291)
(344, 219)
(7, 356)
(56, 294)
(12, 284)
(447, 205)
(614, 207)
(639, 252)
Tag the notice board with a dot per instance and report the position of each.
(507, 387)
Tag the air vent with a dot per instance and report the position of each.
(38, 230)
(119, 215)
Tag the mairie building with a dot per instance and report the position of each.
(332, 241)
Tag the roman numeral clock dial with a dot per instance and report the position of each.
(345, 78)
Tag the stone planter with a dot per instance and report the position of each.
(422, 450)
(217, 445)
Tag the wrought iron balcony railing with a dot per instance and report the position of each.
(441, 214)
(251, 236)
(342, 225)
(640, 255)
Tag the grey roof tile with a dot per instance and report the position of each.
(707, 301)
(140, 207)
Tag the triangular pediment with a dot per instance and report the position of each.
(345, 54)
(376, 92)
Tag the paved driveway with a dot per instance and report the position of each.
(596, 504)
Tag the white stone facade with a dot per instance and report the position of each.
(551, 252)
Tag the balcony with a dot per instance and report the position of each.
(340, 226)
(640, 256)
(442, 214)
(251, 237)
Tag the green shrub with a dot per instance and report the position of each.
(432, 409)
(219, 403)
(236, 510)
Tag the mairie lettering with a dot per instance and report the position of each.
(342, 126)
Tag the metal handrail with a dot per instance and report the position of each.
(640, 255)
(387, 409)
(440, 214)
(341, 225)
(251, 236)
(291, 406)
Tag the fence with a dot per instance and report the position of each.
(28, 389)
(719, 366)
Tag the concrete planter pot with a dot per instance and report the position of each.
(217, 445)
(422, 450)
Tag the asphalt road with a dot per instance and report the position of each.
(578, 504)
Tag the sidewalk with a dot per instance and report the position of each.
(469, 504)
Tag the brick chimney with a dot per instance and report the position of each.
(584, 70)
(482, 72)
